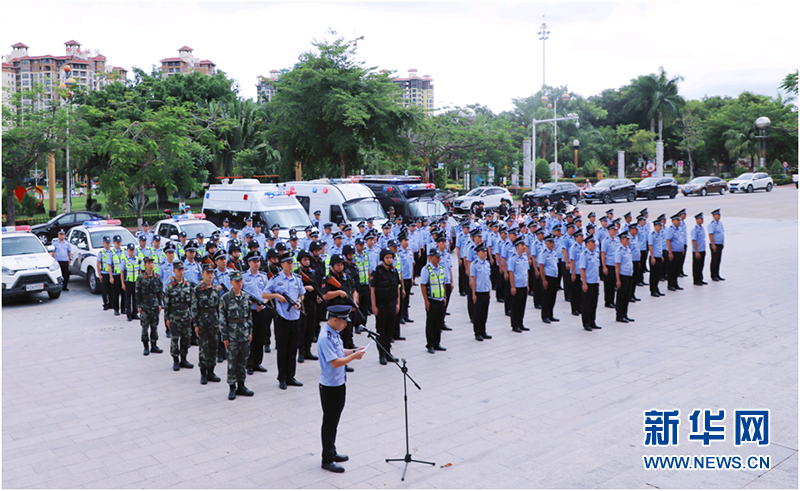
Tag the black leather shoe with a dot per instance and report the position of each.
(212, 377)
(500, 300)
(408, 320)
(662, 294)
(232, 393)
(681, 275)
(609, 306)
(697, 283)
(382, 359)
(249, 371)
(655, 295)
(402, 321)
(105, 307)
(65, 289)
(282, 385)
(671, 288)
(553, 319)
(391, 358)
(537, 306)
(478, 337)
(333, 467)
(595, 326)
(340, 458)
(623, 320)
(267, 349)
(576, 314)
(116, 312)
(516, 329)
(167, 334)
(431, 350)
(349, 369)
(635, 299)
(463, 294)
(203, 379)
(176, 365)
(546, 321)
(294, 382)
(155, 349)
(678, 287)
(219, 359)
(523, 328)
(704, 282)
(259, 368)
(587, 328)
(439, 348)
(629, 319)
(310, 356)
(445, 328)
(447, 313)
(146, 351)
(399, 338)
(486, 336)
(720, 278)
(300, 357)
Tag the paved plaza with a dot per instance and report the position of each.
(556, 407)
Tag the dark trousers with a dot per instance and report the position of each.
(575, 298)
(105, 289)
(609, 285)
(564, 268)
(308, 323)
(665, 264)
(496, 283)
(64, 272)
(287, 336)
(655, 275)
(332, 399)
(130, 298)
(518, 307)
(716, 258)
(406, 299)
(549, 297)
(638, 273)
(589, 303)
(420, 261)
(675, 269)
(259, 332)
(683, 260)
(538, 291)
(448, 290)
(364, 302)
(508, 298)
(480, 313)
(643, 258)
(624, 295)
(463, 278)
(269, 316)
(470, 303)
(636, 266)
(117, 295)
(697, 266)
(433, 323)
(384, 325)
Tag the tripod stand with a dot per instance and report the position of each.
(407, 459)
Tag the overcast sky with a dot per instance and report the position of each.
(486, 53)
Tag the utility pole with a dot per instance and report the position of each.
(543, 32)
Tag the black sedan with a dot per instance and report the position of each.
(610, 190)
(46, 232)
(655, 187)
(553, 191)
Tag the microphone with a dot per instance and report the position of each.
(364, 329)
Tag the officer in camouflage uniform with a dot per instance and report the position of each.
(236, 326)
(205, 313)
(177, 305)
(148, 292)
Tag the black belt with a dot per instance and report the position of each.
(150, 296)
(206, 310)
(235, 320)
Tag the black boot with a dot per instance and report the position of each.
(146, 349)
(211, 376)
(203, 379)
(300, 356)
(185, 364)
(185, 350)
(232, 392)
(176, 364)
(244, 391)
(154, 348)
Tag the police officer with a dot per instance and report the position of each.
(316, 222)
(642, 237)
(447, 265)
(116, 279)
(548, 271)
(62, 252)
(201, 249)
(226, 229)
(340, 295)
(191, 267)
(685, 235)
(462, 242)
(254, 283)
(518, 266)
(205, 315)
(698, 250)
(575, 251)
(405, 259)
(130, 273)
(287, 288)
(148, 294)
(104, 270)
(148, 234)
(362, 269)
(633, 246)
(385, 298)
(248, 226)
(432, 283)
(608, 252)
(623, 265)
(177, 310)
(675, 239)
(308, 317)
(237, 333)
(588, 264)
(656, 264)
(333, 359)
(716, 240)
(480, 286)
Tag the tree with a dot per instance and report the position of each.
(789, 84)
(330, 106)
(692, 133)
(656, 94)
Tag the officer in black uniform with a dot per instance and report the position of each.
(340, 295)
(385, 296)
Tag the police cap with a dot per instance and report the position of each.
(339, 311)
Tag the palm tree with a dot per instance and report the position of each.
(656, 93)
(740, 142)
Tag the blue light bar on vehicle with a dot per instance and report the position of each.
(189, 216)
(100, 223)
(18, 228)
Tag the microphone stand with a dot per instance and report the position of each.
(407, 459)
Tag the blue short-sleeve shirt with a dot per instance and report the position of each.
(329, 348)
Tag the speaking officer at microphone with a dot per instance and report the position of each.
(333, 359)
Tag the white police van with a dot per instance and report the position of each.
(86, 241)
(268, 204)
(338, 200)
(191, 223)
(27, 266)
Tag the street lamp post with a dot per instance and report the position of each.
(569, 117)
(67, 84)
(543, 32)
(762, 124)
(575, 145)
(564, 97)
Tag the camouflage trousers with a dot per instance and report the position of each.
(237, 361)
(149, 319)
(181, 336)
(208, 341)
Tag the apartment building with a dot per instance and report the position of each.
(417, 91)
(186, 63)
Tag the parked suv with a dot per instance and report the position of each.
(610, 190)
(27, 266)
(490, 195)
(553, 191)
(654, 187)
(703, 185)
(751, 181)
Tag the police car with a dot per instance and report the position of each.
(191, 223)
(27, 266)
(86, 241)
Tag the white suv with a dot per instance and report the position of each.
(27, 266)
(86, 241)
(490, 195)
(751, 181)
(190, 223)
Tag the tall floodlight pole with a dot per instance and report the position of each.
(543, 32)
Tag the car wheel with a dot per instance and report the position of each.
(651, 195)
(573, 201)
(94, 283)
(631, 196)
(750, 188)
(672, 194)
(54, 295)
(473, 207)
(607, 199)
(703, 192)
(43, 238)
(721, 191)
(769, 187)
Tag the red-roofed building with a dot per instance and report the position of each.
(186, 63)
(417, 91)
(267, 86)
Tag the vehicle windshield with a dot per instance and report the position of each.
(475, 192)
(699, 180)
(605, 183)
(546, 187)
(746, 175)
(96, 236)
(291, 218)
(192, 228)
(427, 208)
(648, 181)
(363, 209)
(17, 246)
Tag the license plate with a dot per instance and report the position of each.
(35, 287)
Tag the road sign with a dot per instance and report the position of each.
(680, 167)
(651, 166)
(786, 165)
(645, 173)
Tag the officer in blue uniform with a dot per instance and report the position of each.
(333, 359)
(574, 273)
(148, 234)
(698, 250)
(686, 240)
(287, 288)
(226, 229)
(716, 240)
(255, 282)
(547, 261)
(656, 264)
(62, 252)
(316, 221)
(623, 266)
(248, 226)
(589, 266)
(608, 250)
(480, 286)
(675, 239)
(636, 255)
(518, 266)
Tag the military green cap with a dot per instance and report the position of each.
(147, 259)
(177, 264)
(236, 275)
(208, 267)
